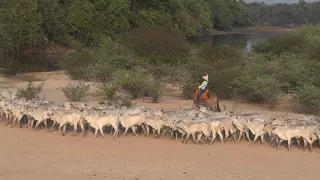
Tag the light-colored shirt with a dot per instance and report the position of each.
(203, 85)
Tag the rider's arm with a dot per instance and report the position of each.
(203, 85)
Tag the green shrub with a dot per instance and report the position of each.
(134, 81)
(307, 99)
(127, 103)
(158, 45)
(292, 69)
(212, 53)
(313, 47)
(303, 40)
(161, 71)
(289, 42)
(257, 89)
(30, 92)
(99, 64)
(220, 81)
(155, 89)
(77, 62)
(75, 92)
(107, 90)
(188, 85)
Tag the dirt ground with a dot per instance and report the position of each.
(26, 154)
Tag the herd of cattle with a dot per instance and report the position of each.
(203, 125)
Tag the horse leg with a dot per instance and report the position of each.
(209, 105)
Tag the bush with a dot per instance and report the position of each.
(75, 92)
(99, 64)
(291, 69)
(127, 103)
(257, 89)
(188, 85)
(162, 71)
(158, 45)
(108, 91)
(313, 47)
(289, 42)
(76, 63)
(134, 81)
(118, 103)
(155, 89)
(138, 83)
(31, 91)
(307, 99)
(212, 53)
(303, 40)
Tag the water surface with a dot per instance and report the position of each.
(244, 41)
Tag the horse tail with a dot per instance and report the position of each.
(218, 107)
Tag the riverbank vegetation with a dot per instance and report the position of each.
(285, 15)
(29, 28)
(136, 46)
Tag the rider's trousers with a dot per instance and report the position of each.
(201, 91)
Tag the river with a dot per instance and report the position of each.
(244, 41)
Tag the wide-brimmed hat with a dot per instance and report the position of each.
(206, 77)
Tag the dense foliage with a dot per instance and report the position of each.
(27, 26)
(286, 64)
(284, 14)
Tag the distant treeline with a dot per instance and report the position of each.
(284, 14)
(30, 23)
(27, 27)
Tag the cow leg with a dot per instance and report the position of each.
(187, 138)
(37, 124)
(144, 129)
(125, 131)
(194, 138)
(82, 128)
(304, 144)
(46, 124)
(154, 132)
(54, 123)
(182, 135)
(134, 130)
(199, 139)
(214, 135)
(240, 135)
(116, 130)
(289, 144)
(248, 136)
(159, 133)
(279, 143)
(255, 138)
(95, 133)
(220, 135)
(64, 129)
(75, 128)
(299, 143)
(101, 131)
(262, 139)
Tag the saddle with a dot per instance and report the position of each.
(203, 96)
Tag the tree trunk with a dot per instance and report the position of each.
(134, 7)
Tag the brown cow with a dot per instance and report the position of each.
(208, 98)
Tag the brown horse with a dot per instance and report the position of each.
(208, 99)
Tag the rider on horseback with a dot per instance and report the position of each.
(203, 86)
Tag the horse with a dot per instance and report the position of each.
(207, 98)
